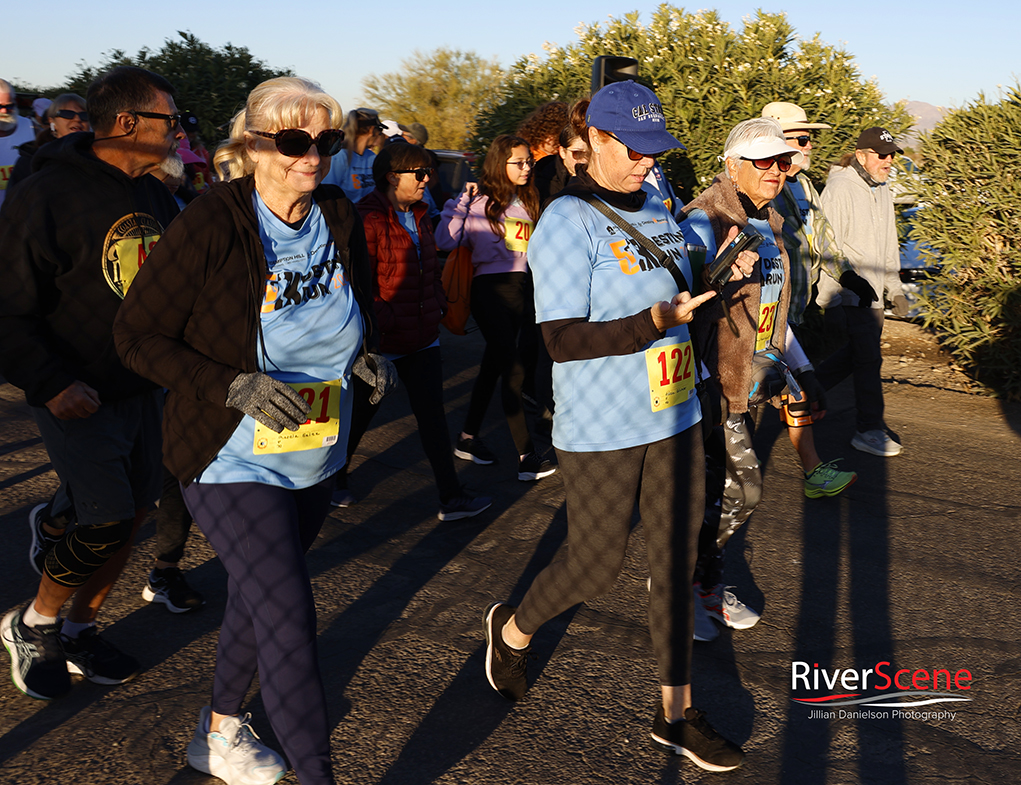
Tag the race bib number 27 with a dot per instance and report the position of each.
(320, 430)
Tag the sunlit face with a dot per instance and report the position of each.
(8, 113)
(519, 165)
(62, 126)
(792, 142)
(287, 178)
(154, 138)
(878, 168)
(759, 185)
(612, 168)
(574, 154)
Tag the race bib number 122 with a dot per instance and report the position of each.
(671, 371)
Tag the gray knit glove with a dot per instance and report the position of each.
(273, 403)
(377, 372)
(901, 306)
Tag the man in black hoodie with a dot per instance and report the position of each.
(72, 237)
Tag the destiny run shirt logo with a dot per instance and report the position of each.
(128, 244)
(671, 243)
(290, 288)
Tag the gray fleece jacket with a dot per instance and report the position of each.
(865, 228)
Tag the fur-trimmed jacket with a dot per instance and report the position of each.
(729, 357)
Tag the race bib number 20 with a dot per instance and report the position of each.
(517, 233)
(671, 371)
(320, 430)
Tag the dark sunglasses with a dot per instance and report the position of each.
(294, 143)
(802, 140)
(67, 114)
(172, 120)
(9, 107)
(420, 174)
(884, 156)
(634, 155)
(783, 163)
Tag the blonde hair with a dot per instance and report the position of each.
(284, 102)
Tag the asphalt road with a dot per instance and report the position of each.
(916, 566)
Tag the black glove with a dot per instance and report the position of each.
(901, 306)
(866, 294)
(813, 389)
(377, 372)
(273, 403)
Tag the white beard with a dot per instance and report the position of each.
(173, 166)
(8, 122)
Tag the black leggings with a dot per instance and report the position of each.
(668, 480)
(498, 303)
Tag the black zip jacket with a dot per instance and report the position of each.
(72, 236)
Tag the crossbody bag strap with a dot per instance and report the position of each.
(664, 260)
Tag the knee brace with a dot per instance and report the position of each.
(85, 549)
(797, 414)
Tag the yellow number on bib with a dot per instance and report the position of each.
(321, 430)
(671, 371)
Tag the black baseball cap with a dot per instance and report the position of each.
(878, 139)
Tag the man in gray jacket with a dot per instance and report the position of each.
(859, 206)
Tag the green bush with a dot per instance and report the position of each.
(971, 222)
(708, 77)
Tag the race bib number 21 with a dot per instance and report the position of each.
(320, 430)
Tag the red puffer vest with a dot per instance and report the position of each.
(409, 297)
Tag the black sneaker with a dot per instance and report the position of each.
(474, 450)
(463, 506)
(695, 737)
(37, 661)
(42, 541)
(505, 667)
(97, 659)
(168, 586)
(535, 467)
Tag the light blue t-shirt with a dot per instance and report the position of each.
(585, 267)
(311, 332)
(353, 173)
(407, 220)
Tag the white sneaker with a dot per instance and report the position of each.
(723, 606)
(234, 753)
(876, 442)
(705, 630)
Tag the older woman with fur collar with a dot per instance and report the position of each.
(739, 333)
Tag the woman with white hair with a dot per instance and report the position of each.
(254, 310)
(741, 334)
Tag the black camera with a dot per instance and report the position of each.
(718, 272)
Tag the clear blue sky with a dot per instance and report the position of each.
(940, 52)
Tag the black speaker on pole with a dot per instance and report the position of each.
(607, 69)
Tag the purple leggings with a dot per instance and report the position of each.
(261, 534)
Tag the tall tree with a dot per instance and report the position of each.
(444, 90)
(708, 77)
(212, 83)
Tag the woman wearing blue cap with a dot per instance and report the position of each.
(614, 317)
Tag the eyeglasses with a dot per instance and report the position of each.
(420, 174)
(294, 142)
(522, 164)
(9, 107)
(634, 155)
(67, 114)
(173, 120)
(578, 155)
(783, 162)
(802, 140)
(883, 156)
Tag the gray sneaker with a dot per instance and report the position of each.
(876, 442)
(234, 753)
(42, 541)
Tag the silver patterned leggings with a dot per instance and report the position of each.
(733, 491)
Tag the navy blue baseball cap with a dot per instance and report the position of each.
(633, 114)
